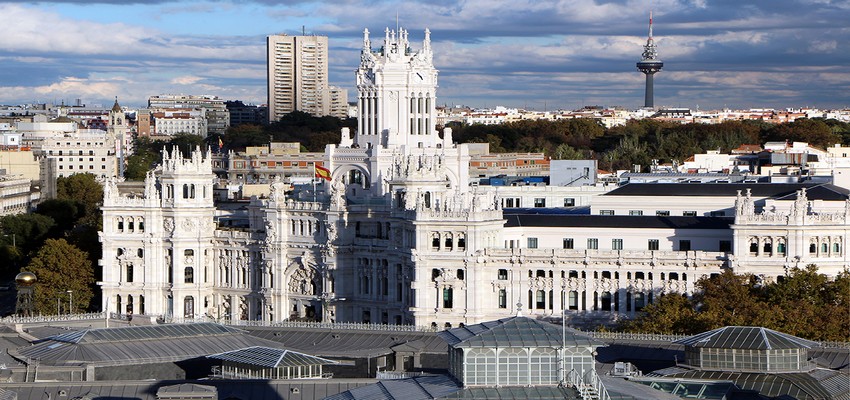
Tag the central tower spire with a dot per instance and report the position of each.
(649, 65)
(396, 91)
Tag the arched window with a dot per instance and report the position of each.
(141, 304)
(836, 248)
(513, 367)
(188, 275)
(639, 275)
(461, 241)
(813, 248)
(606, 300)
(540, 300)
(780, 248)
(573, 304)
(673, 276)
(824, 248)
(435, 241)
(640, 301)
(754, 247)
(129, 304)
(448, 241)
(768, 248)
(544, 366)
(185, 191)
(118, 303)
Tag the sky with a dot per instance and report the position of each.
(533, 54)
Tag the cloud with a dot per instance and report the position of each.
(559, 53)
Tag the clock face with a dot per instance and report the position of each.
(419, 77)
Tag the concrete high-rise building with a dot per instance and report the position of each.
(649, 64)
(298, 76)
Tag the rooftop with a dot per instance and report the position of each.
(747, 338)
(814, 191)
(515, 332)
(270, 357)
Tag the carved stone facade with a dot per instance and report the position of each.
(399, 237)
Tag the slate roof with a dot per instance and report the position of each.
(617, 221)
(270, 357)
(168, 331)
(418, 388)
(514, 332)
(814, 191)
(186, 391)
(306, 389)
(817, 384)
(516, 392)
(747, 338)
(347, 343)
(138, 345)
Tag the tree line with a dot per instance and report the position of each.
(638, 142)
(803, 303)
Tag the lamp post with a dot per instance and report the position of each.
(70, 301)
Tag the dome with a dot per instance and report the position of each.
(25, 279)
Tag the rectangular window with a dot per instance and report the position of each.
(652, 244)
(635, 212)
(532, 243)
(725, 246)
(717, 214)
(616, 244)
(569, 243)
(539, 202)
(503, 274)
(447, 297)
(689, 213)
(684, 245)
(503, 298)
(662, 213)
(593, 244)
(568, 202)
(606, 212)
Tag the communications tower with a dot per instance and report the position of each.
(649, 64)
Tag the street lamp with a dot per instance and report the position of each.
(70, 301)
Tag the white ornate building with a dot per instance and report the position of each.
(398, 236)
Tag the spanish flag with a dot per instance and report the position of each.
(220, 143)
(322, 172)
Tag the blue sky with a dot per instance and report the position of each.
(522, 53)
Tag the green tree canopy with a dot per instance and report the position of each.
(86, 191)
(803, 303)
(60, 267)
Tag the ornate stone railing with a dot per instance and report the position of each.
(51, 318)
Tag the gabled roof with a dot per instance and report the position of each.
(747, 338)
(514, 332)
(270, 357)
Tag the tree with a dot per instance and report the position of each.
(61, 267)
(731, 299)
(82, 188)
(65, 215)
(672, 313)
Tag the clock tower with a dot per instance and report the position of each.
(396, 93)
